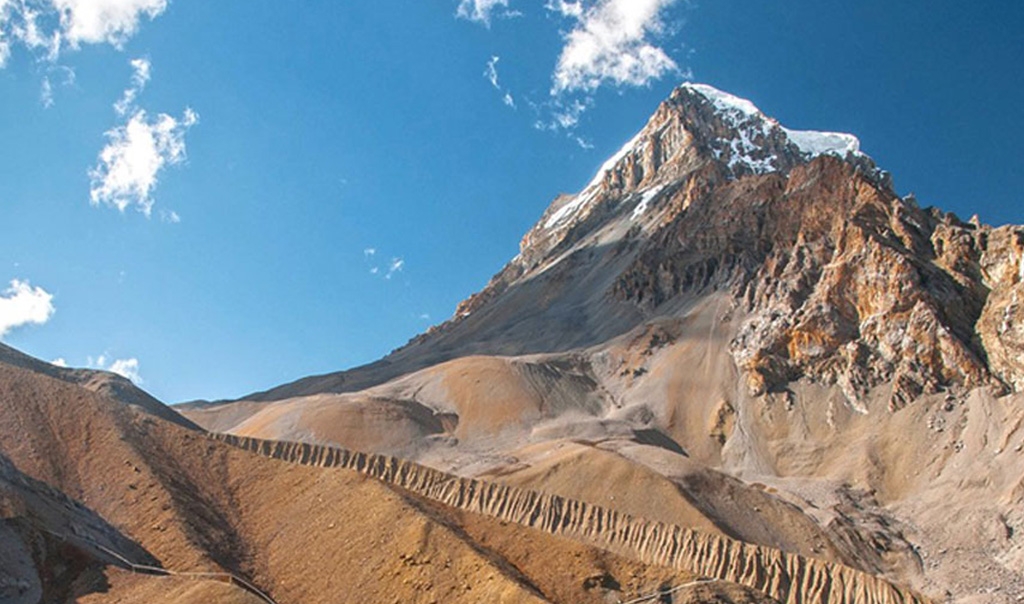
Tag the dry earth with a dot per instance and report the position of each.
(85, 474)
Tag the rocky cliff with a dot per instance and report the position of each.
(837, 279)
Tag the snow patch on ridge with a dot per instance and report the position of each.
(590, 191)
(750, 123)
(815, 143)
(745, 149)
(723, 101)
(572, 207)
(613, 160)
(645, 200)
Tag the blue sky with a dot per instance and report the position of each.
(287, 189)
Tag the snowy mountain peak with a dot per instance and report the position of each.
(697, 123)
(751, 124)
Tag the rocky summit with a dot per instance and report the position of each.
(830, 276)
(736, 367)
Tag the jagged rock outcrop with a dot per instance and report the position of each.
(785, 577)
(836, 278)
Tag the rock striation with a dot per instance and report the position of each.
(785, 577)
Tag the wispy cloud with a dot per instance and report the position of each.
(482, 11)
(170, 217)
(22, 304)
(47, 27)
(141, 70)
(396, 266)
(491, 74)
(46, 88)
(46, 93)
(381, 269)
(138, 150)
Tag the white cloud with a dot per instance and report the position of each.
(5, 45)
(22, 304)
(109, 21)
(46, 93)
(127, 368)
(611, 43)
(396, 266)
(564, 114)
(482, 11)
(140, 77)
(46, 26)
(568, 9)
(59, 362)
(491, 72)
(61, 75)
(369, 252)
(55, 75)
(138, 150)
(170, 216)
(135, 154)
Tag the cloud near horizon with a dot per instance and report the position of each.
(126, 368)
(22, 304)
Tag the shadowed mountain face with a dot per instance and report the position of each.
(745, 320)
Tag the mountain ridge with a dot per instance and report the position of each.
(745, 319)
(700, 141)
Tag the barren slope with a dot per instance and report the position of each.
(163, 495)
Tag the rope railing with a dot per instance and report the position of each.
(667, 592)
(146, 569)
